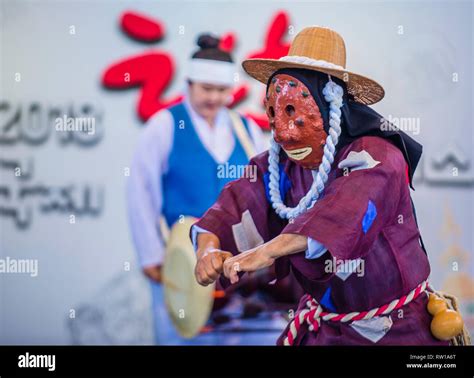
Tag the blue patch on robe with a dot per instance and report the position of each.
(285, 184)
(369, 216)
(326, 301)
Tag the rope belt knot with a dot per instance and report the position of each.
(313, 314)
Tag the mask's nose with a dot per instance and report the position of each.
(285, 131)
(284, 135)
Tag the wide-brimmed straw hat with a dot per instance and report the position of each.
(319, 49)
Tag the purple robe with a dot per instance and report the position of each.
(363, 214)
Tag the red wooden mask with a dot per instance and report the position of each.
(296, 121)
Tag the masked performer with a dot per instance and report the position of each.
(331, 203)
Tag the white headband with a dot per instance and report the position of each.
(211, 71)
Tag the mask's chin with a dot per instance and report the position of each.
(305, 157)
(310, 162)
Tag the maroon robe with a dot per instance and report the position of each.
(394, 261)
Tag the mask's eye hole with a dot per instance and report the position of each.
(290, 110)
(271, 111)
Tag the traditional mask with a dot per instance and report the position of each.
(296, 121)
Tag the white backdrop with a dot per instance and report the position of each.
(421, 52)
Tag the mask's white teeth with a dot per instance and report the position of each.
(299, 153)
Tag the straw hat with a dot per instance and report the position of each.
(320, 49)
(189, 304)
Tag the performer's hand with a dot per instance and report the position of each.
(210, 258)
(249, 261)
(153, 273)
(209, 265)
